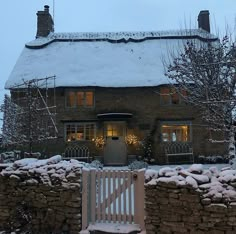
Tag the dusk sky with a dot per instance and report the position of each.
(18, 20)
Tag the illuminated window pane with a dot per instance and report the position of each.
(80, 98)
(109, 130)
(80, 132)
(118, 129)
(70, 101)
(89, 98)
(115, 129)
(70, 133)
(173, 133)
(89, 132)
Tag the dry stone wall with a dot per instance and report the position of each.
(192, 201)
(42, 196)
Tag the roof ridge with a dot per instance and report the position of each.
(120, 36)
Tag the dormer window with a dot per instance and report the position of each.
(79, 98)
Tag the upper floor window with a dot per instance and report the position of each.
(79, 131)
(170, 96)
(79, 98)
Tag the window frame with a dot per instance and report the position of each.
(76, 126)
(177, 123)
(170, 96)
(76, 91)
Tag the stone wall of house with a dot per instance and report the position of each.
(43, 196)
(191, 202)
(148, 115)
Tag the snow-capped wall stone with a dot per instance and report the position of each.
(191, 201)
(43, 196)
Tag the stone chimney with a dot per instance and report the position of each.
(204, 20)
(45, 23)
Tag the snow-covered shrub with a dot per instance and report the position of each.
(201, 159)
(135, 165)
(32, 155)
(231, 146)
(96, 164)
(233, 163)
(212, 159)
(8, 157)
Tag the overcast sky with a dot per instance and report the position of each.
(18, 20)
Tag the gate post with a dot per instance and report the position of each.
(93, 195)
(139, 198)
(85, 176)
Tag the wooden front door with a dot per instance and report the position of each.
(115, 151)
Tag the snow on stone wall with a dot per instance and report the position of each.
(191, 200)
(43, 196)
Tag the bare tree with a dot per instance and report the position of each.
(11, 122)
(206, 71)
(27, 116)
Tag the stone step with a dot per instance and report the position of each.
(110, 228)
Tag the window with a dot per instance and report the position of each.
(175, 132)
(79, 132)
(170, 96)
(80, 98)
(114, 129)
(70, 99)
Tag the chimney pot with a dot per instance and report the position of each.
(46, 8)
(204, 20)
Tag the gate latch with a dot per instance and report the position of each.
(135, 176)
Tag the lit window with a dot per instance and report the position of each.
(89, 98)
(80, 99)
(114, 129)
(70, 99)
(175, 132)
(80, 132)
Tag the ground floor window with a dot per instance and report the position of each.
(176, 132)
(79, 131)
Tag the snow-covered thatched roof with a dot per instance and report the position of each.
(117, 59)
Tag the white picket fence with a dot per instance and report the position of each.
(110, 196)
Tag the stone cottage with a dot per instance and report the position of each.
(112, 95)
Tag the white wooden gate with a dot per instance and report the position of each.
(110, 196)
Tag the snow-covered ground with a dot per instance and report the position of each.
(158, 167)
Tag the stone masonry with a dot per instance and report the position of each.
(176, 204)
(41, 196)
(148, 115)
